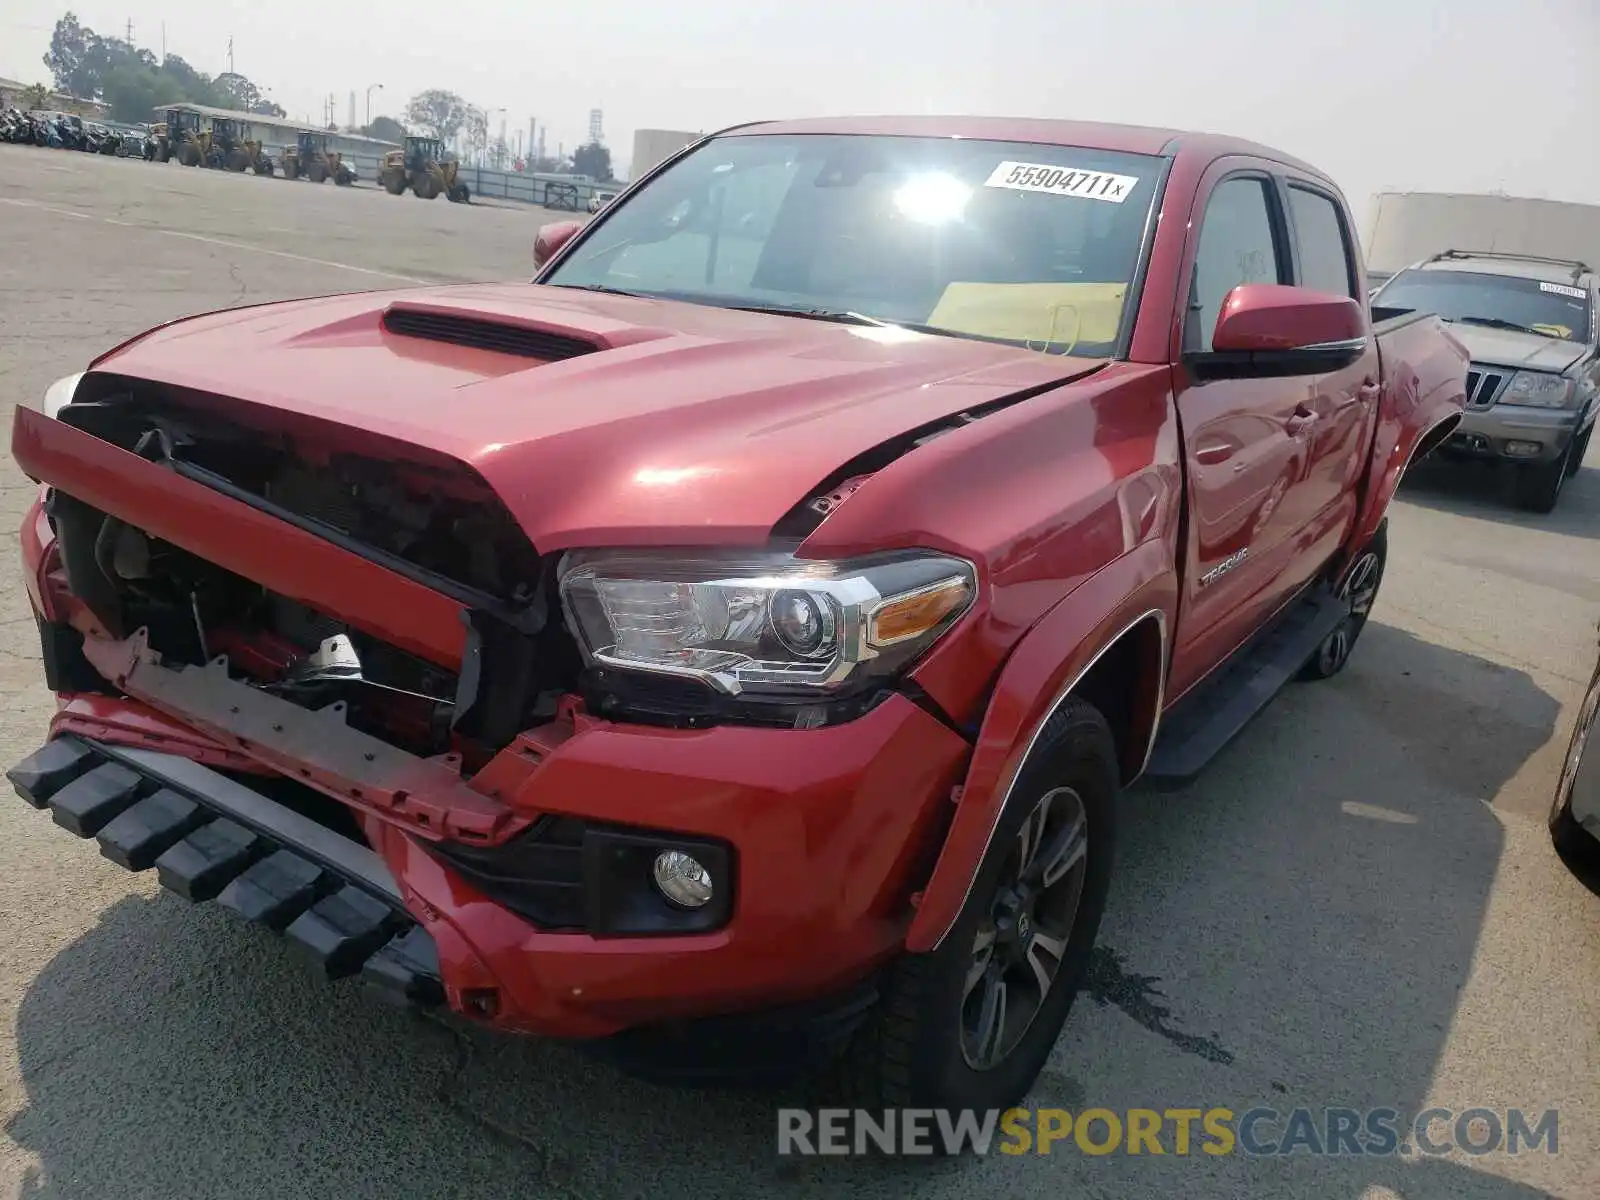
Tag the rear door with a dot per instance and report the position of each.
(1336, 411)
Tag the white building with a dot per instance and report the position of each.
(651, 146)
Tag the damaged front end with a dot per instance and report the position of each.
(202, 592)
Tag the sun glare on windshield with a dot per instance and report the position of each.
(932, 199)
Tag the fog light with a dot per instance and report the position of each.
(681, 879)
(1523, 449)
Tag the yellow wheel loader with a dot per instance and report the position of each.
(311, 158)
(233, 149)
(421, 166)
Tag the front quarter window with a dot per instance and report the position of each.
(1016, 242)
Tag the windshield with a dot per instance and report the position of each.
(1016, 242)
(1555, 309)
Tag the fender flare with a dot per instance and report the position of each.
(1412, 444)
(1041, 672)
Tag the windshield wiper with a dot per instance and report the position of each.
(1497, 323)
(608, 290)
(844, 316)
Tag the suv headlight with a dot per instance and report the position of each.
(762, 623)
(1539, 390)
(56, 397)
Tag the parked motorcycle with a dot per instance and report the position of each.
(15, 127)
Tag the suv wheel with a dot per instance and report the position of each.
(1579, 449)
(1539, 484)
(971, 1024)
(1359, 590)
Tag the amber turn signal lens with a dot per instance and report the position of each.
(917, 613)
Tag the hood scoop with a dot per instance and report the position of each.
(499, 337)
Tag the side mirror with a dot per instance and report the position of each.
(551, 238)
(1267, 329)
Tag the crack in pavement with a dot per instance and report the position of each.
(552, 1164)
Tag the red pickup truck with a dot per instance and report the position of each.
(732, 645)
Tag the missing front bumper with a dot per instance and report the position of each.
(209, 837)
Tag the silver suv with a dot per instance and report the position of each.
(1532, 326)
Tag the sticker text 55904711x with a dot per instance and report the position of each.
(1062, 181)
(1562, 289)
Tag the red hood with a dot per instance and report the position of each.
(689, 424)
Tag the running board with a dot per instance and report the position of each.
(1201, 725)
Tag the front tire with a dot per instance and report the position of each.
(1359, 591)
(1539, 484)
(1579, 449)
(971, 1024)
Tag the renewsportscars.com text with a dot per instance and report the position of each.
(1257, 1131)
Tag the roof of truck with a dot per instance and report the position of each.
(1091, 135)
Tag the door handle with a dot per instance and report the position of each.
(1213, 454)
(1368, 392)
(1302, 418)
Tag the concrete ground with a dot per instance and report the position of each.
(1357, 907)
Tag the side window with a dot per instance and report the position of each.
(1320, 236)
(1236, 246)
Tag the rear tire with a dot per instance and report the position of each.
(316, 172)
(394, 184)
(971, 1024)
(1359, 589)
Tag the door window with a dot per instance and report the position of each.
(1237, 246)
(1320, 236)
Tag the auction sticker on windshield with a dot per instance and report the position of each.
(1562, 289)
(1062, 181)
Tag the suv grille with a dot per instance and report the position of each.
(1483, 386)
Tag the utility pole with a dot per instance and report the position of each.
(129, 38)
(163, 43)
(230, 54)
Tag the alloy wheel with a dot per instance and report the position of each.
(1359, 591)
(1019, 948)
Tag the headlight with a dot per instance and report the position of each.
(762, 623)
(1539, 390)
(56, 397)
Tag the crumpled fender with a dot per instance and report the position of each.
(1424, 391)
(1043, 668)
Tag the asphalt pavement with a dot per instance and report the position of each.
(1357, 906)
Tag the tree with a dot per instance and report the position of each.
(36, 96)
(232, 90)
(387, 129)
(475, 130)
(593, 160)
(134, 92)
(437, 113)
(71, 60)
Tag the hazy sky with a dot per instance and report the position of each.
(1417, 94)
